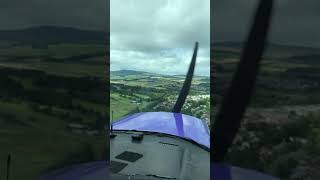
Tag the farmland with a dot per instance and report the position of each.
(280, 130)
(52, 102)
(136, 91)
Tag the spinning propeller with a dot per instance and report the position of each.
(233, 107)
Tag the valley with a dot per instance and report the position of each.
(52, 99)
(136, 91)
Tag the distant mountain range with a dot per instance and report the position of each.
(143, 73)
(52, 35)
(129, 72)
(136, 73)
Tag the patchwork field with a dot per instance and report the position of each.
(135, 91)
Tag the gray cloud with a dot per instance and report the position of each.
(295, 22)
(159, 35)
(17, 14)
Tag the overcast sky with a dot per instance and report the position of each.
(84, 14)
(296, 22)
(159, 35)
(152, 29)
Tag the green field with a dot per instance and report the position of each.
(120, 106)
(136, 91)
(43, 92)
(62, 69)
(39, 142)
(61, 59)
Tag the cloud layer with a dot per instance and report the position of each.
(159, 35)
(295, 22)
(17, 14)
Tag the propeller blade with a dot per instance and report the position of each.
(187, 83)
(8, 166)
(234, 105)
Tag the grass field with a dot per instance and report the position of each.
(122, 106)
(60, 59)
(62, 69)
(62, 51)
(39, 140)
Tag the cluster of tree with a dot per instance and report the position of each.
(289, 150)
(269, 97)
(11, 119)
(21, 72)
(45, 87)
(49, 92)
(10, 87)
(197, 108)
(65, 114)
(82, 84)
(132, 90)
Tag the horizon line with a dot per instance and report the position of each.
(158, 73)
